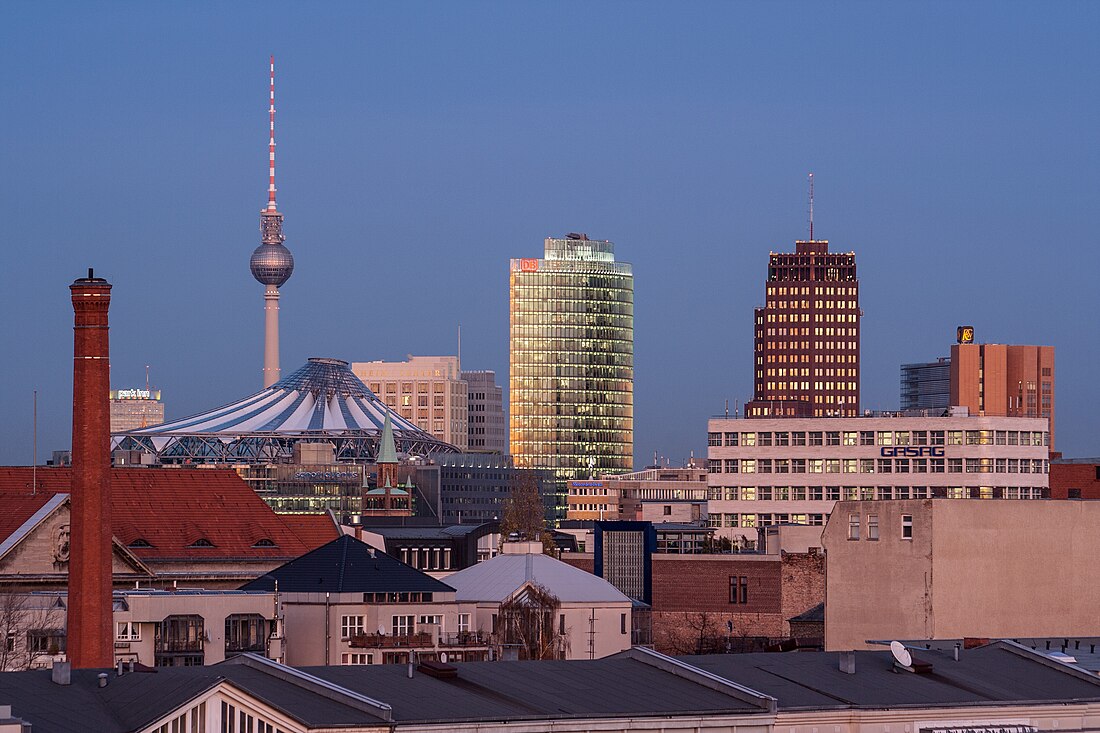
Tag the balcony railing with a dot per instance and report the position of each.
(464, 638)
(244, 645)
(178, 645)
(391, 641)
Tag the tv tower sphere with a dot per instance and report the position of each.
(272, 264)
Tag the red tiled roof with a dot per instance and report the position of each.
(170, 509)
(313, 530)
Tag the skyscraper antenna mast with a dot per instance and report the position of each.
(811, 194)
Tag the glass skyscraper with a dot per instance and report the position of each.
(571, 378)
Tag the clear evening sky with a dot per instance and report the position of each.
(422, 145)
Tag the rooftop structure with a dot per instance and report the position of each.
(323, 400)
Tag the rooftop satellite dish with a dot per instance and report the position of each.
(901, 654)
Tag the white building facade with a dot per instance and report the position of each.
(428, 391)
(762, 472)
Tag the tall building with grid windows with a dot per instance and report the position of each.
(806, 345)
(571, 378)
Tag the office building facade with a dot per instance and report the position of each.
(571, 350)
(806, 337)
(764, 472)
(488, 428)
(927, 385)
(999, 379)
(626, 496)
(133, 409)
(428, 391)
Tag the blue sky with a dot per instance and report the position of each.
(422, 145)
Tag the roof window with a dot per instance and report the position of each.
(201, 542)
(265, 542)
(140, 542)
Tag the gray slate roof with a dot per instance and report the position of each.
(989, 674)
(347, 565)
(497, 579)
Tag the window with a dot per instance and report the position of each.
(907, 526)
(798, 437)
(350, 626)
(127, 631)
(402, 625)
(245, 632)
(748, 439)
(667, 510)
(832, 437)
(954, 465)
(866, 437)
(356, 658)
(561, 624)
(436, 620)
(850, 438)
(714, 439)
(815, 437)
(622, 623)
(46, 641)
(872, 526)
(463, 622)
(739, 589)
(853, 526)
(731, 439)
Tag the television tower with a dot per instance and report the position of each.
(271, 263)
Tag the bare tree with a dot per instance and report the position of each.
(523, 513)
(527, 620)
(31, 628)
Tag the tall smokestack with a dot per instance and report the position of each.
(90, 638)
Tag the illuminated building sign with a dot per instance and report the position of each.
(907, 452)
(325, 476)
(529, 265)
(965, 334)
(134, 394)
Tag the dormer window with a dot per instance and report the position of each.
(201, 542)
(139, 543)
(265, 542)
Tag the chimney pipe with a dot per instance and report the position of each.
(61, 674)
(848, 662)
(102, 677)
(957, 645)
(90, 622)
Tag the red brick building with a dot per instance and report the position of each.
(1004, 380)
(806, 337)
(1075, 478)
(702, 603)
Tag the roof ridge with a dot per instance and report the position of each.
(343, 564)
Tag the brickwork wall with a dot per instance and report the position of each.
(584, 561)
(803, 584)
(1066, 476)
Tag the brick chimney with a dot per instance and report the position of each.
(90, 621)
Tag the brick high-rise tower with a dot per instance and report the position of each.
(90, 622)
(806, 355)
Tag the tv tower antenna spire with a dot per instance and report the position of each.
(271, 144)
(811, 187)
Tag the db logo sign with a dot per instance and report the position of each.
(529, 265)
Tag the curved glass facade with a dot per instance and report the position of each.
(571, 377)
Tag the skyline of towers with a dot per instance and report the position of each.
(271, 262)
(571, 360)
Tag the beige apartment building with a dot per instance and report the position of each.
(763, 472)
(426, 390)
(155, 628)
(133, 409)
(935, 569)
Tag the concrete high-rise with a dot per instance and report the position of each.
(90, 619)
(426, 390)
(571, 377)
(488, 428)
(133, 409)
(271, 263)
(999, 379)
(806, 340)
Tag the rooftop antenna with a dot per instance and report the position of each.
(811, 200)
(460, 347)
(271, 144)
(146, 377)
